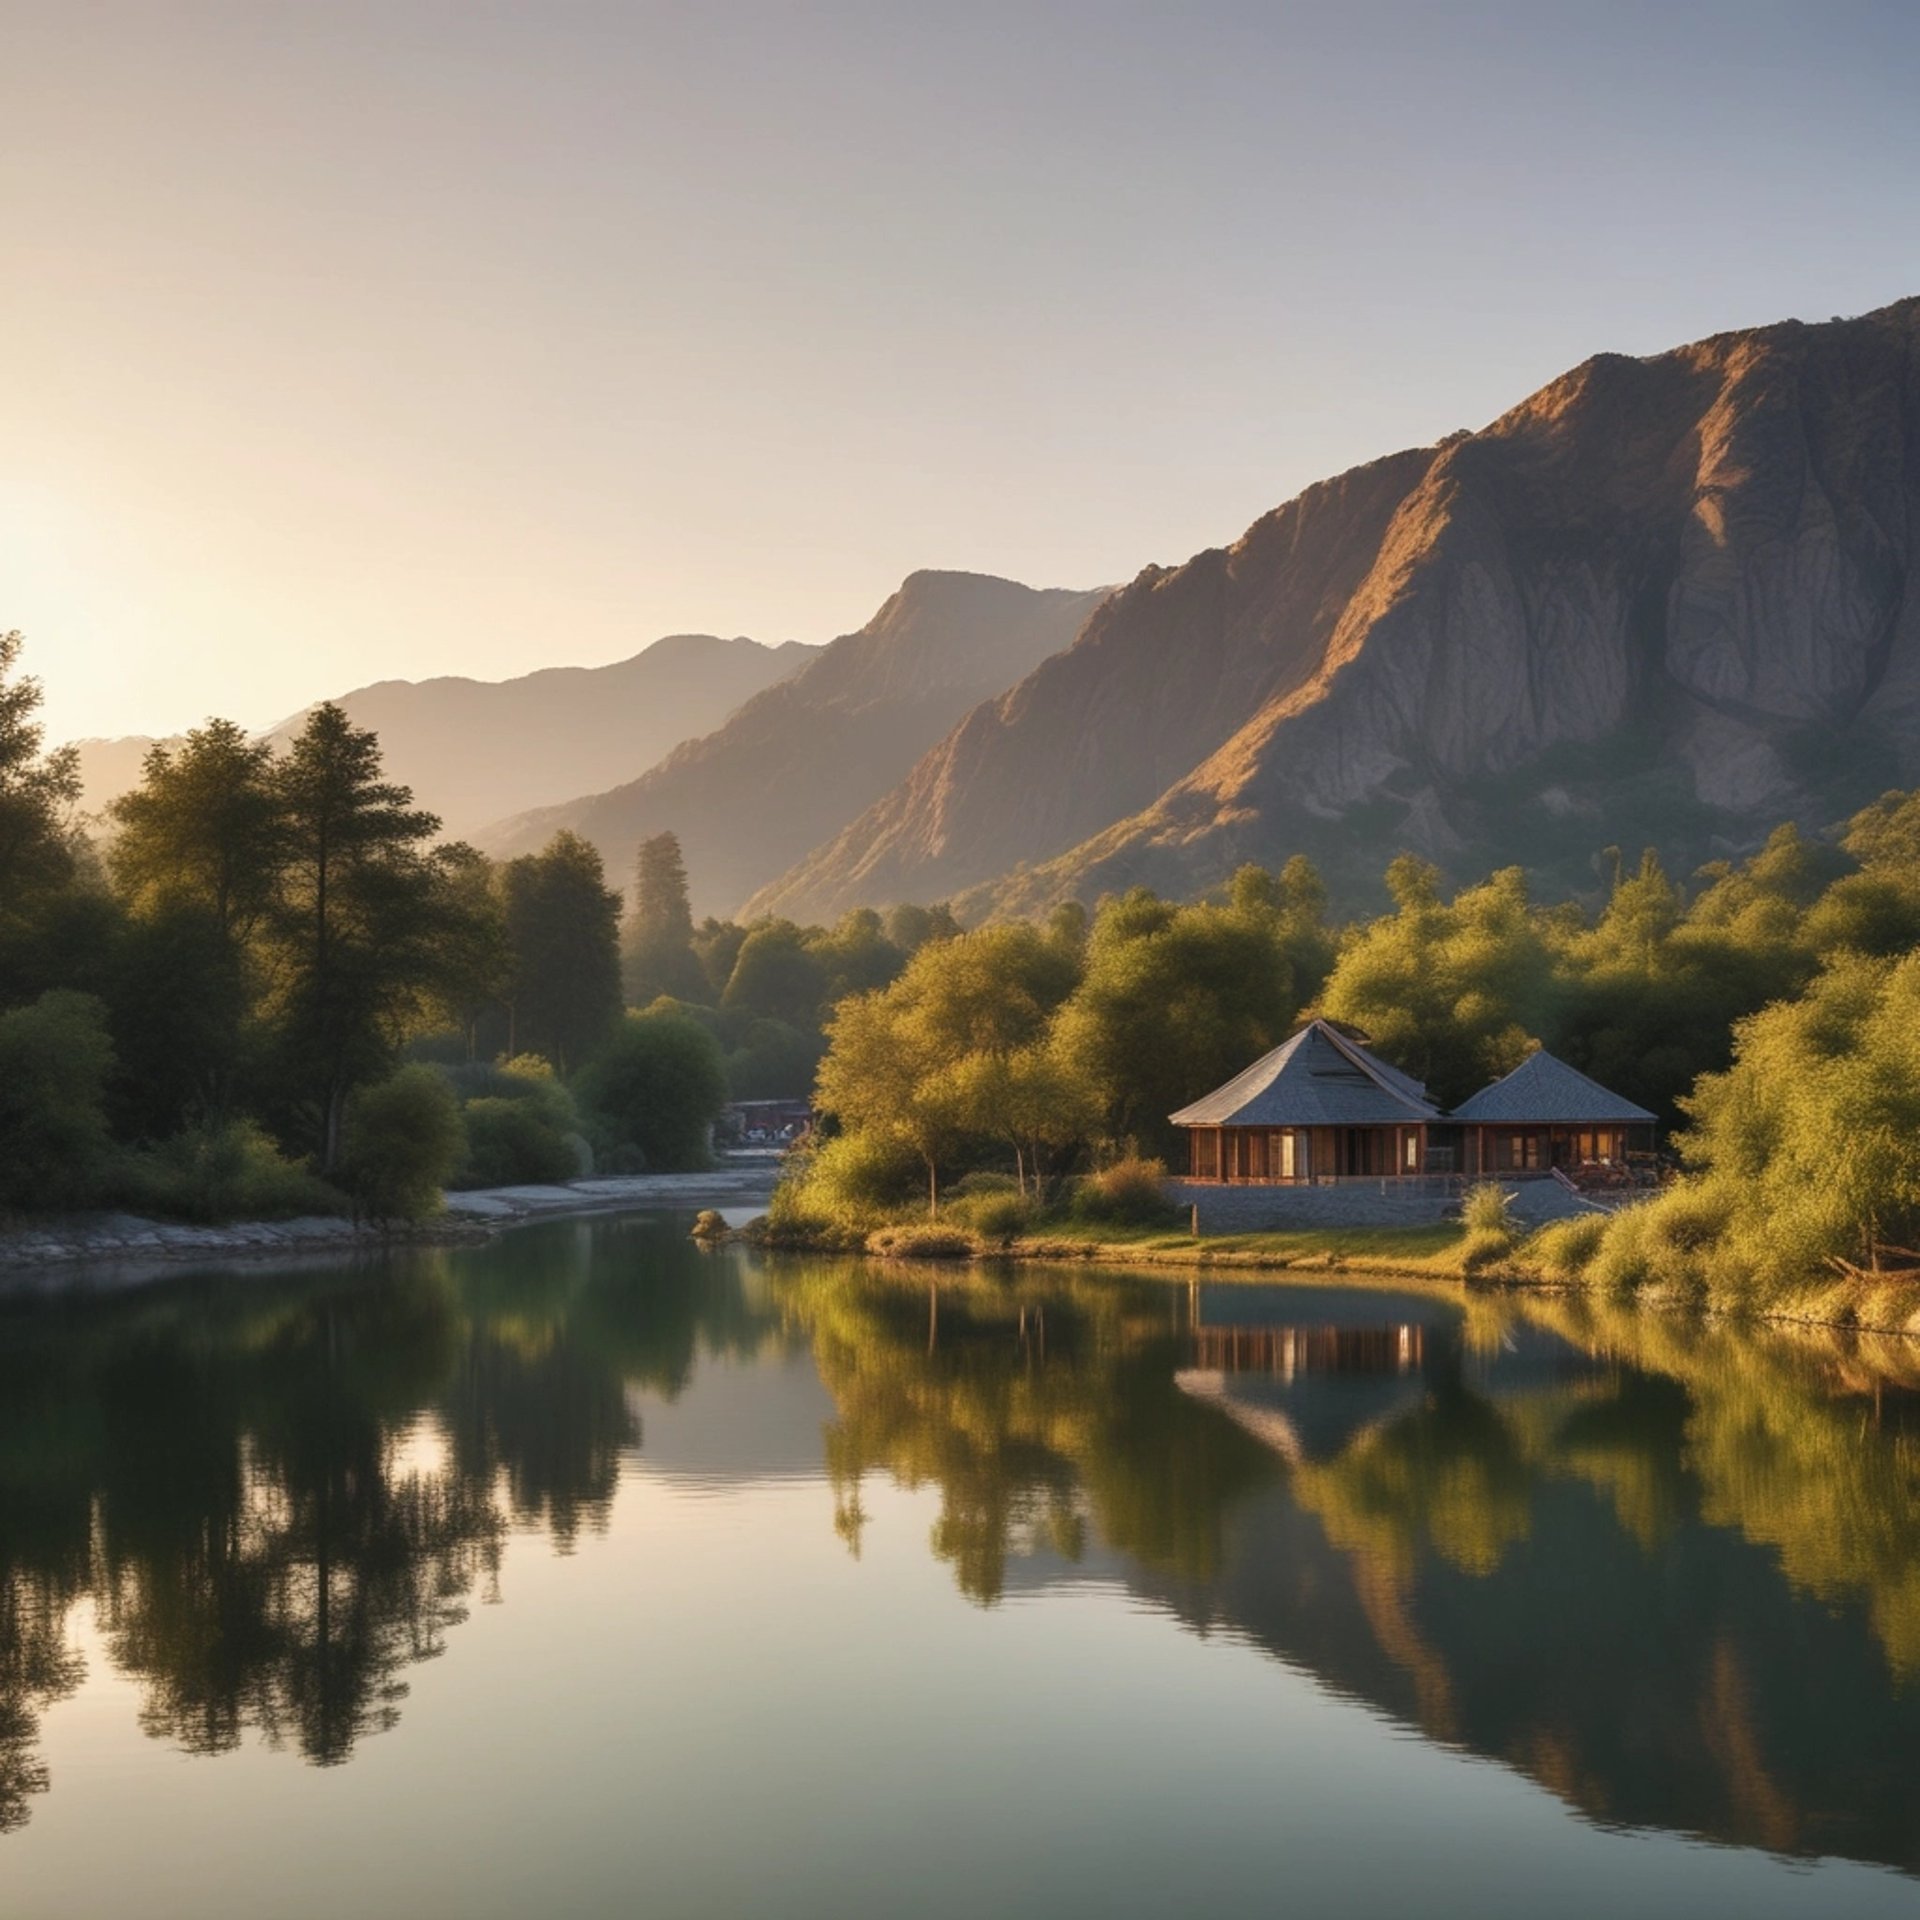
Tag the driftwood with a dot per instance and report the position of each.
(1851, 1270)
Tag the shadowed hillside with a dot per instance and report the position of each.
(795, 763)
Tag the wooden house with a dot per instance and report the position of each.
(1320, 1107)
(1546, 1115)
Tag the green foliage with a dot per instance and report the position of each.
(37, 790)
(994, 1218)
(659, 956)
(55, 1056)
(358, 930)
(852, 1180)
(1671, 1246)
(855, 955)
(1130, 1193)
(1175, 1000)
(511, 1144)
(1809, 1144)
(955, 1049)
(773, 1061)
(563, 990)
(523, 1127)
(228, 1171)
(910, 928)
(777, 977)
(1565, 1249)
(1485, 1249)
(404, 1143)
(1451, 993)
(204, 829)
(1487, 1208)
(656, 1087)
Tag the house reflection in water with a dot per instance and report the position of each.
(1309, 1385)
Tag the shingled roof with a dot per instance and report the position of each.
(1543, 1091)
(1319, 1078)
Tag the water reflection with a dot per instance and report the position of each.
(232, 1473)
(1666, 1569)
(1669, 1570)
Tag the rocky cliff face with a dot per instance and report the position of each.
(1667, 601)
(802, 758)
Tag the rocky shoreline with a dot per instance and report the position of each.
(125, 1246)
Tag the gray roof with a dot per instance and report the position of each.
(1319, 1078)
(1544, 1091)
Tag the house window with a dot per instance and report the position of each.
(1413, 1153)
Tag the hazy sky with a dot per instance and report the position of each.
(343, 342)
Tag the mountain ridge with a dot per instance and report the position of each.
(459, 741)
(805, 755)
(1665, 598)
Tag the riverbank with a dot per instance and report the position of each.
(1433, 1253)
(65, 1243)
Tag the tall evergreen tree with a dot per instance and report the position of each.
(563, 946)
(659, 956)
(358, 926)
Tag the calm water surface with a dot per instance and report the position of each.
(592, 1574)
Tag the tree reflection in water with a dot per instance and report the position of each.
(234, 1474)
(1668, 1568)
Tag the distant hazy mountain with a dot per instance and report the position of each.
(803, 757)
(1668, 601)
(473, 750)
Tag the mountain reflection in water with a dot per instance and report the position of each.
(1666, 1569)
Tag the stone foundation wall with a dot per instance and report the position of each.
(1364, 1203)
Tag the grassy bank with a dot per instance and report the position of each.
(1429, 1252)
(1457, 1252)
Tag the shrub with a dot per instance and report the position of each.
(229, 1171)
(922, 1240)
(1130, 1193)
(404, 1143)
(657, 1085)
(974, 1185)
(1566, 1249)
(1666, 1242)
(995, 1217)
(512, 1143)
(1483, 1249)
(854, 1179)
(55, 1056)
(708, 1224)
(1488, 1208)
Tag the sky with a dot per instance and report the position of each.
(347, 342)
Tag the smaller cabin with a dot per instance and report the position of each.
(1318, 1108)
(1546, 1116)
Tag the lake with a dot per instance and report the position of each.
(592, 1573)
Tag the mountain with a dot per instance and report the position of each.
(801, 758)
(1665, 601)
(474, 749)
